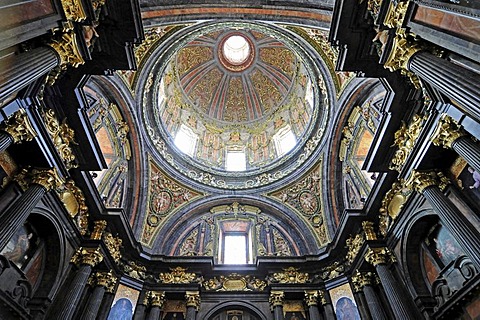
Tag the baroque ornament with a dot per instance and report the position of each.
(376, 256)
(354, 244)
(192, 299)
(392, 205)
(74, 201)
(87, 256)
(311, 298)
(420, 180)
(67, 49)
(47, 178)
(19, 127)
(74, 10)
(178, 275)
(361, 279)
(395, 14)
(289, 275)
(235, 282)
(106, 280)
(155, 298)
(113, 245)
(276, 299)
(405, 139)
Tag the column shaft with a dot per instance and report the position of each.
(20, 70)
(329, 312)
(5, 141)
(191, 313)
(16, 215)
(93, 303)
(154, 313)
(278, 313)
(469, 150)
(314, 313)
(362, 305)
(68, 303)
(139, 312)
(462, 230)
(402, 306)
(457, 83)
(374, 305)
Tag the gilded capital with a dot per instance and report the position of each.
(354, 244)
(87, 256)
(276, 299)
(311, 297)
(361, 279)
(401, 52)
(446, 132)
(193, 299)
(420, 180)
(47, 178)
(74, 10)
(106, 280)
(67, 50)
(19, 127)
(156, 298)
(376, 256)
(113, 245)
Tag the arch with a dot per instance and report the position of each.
(235, 304)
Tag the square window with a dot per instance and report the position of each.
(284, 141)
(186, 140)
(235, 249)
(235, 161)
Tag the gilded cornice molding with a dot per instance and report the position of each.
(19, 127)
(289, 275)
(235, 282)
(376, 256)
(276, 299)
(87, 256)
(192, 299)
(446, 132)
(178, 275)
(420, 180)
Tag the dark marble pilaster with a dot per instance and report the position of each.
(103, 281)
(276, 304)
(193, 304)
(311, 300)
(155, 299)
(326, 301)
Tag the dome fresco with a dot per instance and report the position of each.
(235, 95)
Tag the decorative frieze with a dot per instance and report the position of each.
(235, 282)
(178, 275)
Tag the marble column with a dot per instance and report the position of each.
(20, 70)
(16, 129)
(193, 304)
(451, 136)
(326, 301)
(363, 286)
(41, 182)
(311, 300)
(156, 301)
(103, 282)
(402, 304)
(429, 184)
(276, 304)
(85, 259)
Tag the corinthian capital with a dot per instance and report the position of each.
(87, 256)
(361, 279)
(47, 178)
(311, 297)
(276, 298)
(420, 180)
(446, 132)
(106, 280)
(156, 298)
(67, 49)
(19, 127)
(376, 256)
(193, 299)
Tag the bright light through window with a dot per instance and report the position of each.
(235, 161)
(236, 49)
(186, 140)
(284, 141)
(235, 249)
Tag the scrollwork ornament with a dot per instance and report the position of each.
(74, 10)
(178, 275)
(289, 275)
(396, 14)
(19, 127)
(87, 256)
(276, 299)
(98, 229)
(311, 298)
(192, 299)
(235, 282)
(354, 244)
(376, 256)
(113, 245)
(446, 132)
(369, 230)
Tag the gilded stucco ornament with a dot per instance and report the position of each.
(334, 270)
(276, 299)
(322, 297)
(289, 275)
(354, 244)
(192, 299)
(369, 230)
(98, 229)
(311, 297)
(405, 140)
(62, 136)
(113, 245)
(178, 275)
(376, 256)
(87, 256)
(134, 270)
(74, 10)
(19, 127)
(73, 199)
(361, 279)
(420, 180)
(234, 282)
(67, 49)
(392, 205)
(396, 14)
(446, 132)
(47, 178)
(400, 54)
(107, 280)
